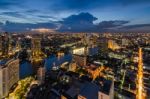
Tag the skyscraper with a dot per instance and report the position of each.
(5, 44)
(37, 55)
(41, 75)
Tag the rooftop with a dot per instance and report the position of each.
(4, 61)
(105, 85)
(88, 89)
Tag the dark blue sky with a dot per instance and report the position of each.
(75, 15)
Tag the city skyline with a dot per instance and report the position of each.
(75, 15)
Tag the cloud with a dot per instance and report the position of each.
(9, 3)
(57, 5)
(13, 14)
(47, 17)
(78, 23)
(130, 2)
(73, 4)
(111, 24)
(22, 27)
(136, 28)
(61, 8)
(31, 11)
(82, 22)
(83, 5)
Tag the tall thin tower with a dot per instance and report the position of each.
(85, 42)
(139, 91)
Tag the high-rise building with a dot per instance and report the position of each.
(125, 42)
(113, 45)
(5, 44)
(0, 45)
(41, 75)
(36, 46)
(37, 55)
(9, 75)
(18, 46)
(80, 54)
(73, 66)
(103, 43)
(79, 59)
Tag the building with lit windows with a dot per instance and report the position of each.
(125, 42)
(0, 45)
(73, 66)
(5, 44)
(81, 60)
(80, 51)
(41, 75)
(9, 75)
(80, 55)
(113, 45)
(37, 55)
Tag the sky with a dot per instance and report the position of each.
(75, 15)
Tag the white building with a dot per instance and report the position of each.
(9, 75)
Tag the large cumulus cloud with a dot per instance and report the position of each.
(82, 22)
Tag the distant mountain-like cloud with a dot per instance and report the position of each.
(22, 27)
(82, 22)
(112, 24)
(136, 28)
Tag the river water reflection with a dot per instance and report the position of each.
(26, 67)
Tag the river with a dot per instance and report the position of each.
(26, 67)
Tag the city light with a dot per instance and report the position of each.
(74, 49)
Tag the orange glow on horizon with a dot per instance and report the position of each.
(42, 30)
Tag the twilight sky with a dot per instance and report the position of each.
(75, 15)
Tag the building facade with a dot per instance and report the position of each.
(37, 55)
(41, 75)
(9, 75)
